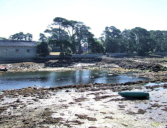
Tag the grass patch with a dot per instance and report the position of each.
(54, 53)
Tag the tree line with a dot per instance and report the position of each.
(21, 36)
(137, 40)
(69, 35)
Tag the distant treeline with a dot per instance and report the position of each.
(70, 35)
(135, 40)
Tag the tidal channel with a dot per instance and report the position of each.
(19, 80)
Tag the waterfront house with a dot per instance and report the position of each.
(17, 50)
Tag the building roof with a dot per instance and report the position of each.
(15, 43)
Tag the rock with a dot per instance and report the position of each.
(47, 109)
(94, 89)
(156, 105)
(103, 112)
(141, 111)
(91, 119)
(62, 114)
(149, 108)
(80, 116)
(67, 91)
(46, 113)
(71, 102)
(14, 106)
(66, 124)
(125, 124)
(79, 99)
(79, 104)
(131, 112)
(3, 109)
(50, 120)
(36, 99)
(81, 90)
(108, 117)
(164, 109)
(121, 106)
(77, 122)
(26, 121)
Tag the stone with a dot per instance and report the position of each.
(77, 122)
(141, 111)
(50, 120)
(121, 106)
(79, 99)
(125, 124)
(80, 116)
(91, 119)
(156, 105)
(67, 91)
(164, 109)
(108, 117)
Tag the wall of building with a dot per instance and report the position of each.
(16, 50)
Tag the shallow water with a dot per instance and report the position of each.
(47, 79)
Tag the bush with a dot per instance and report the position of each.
(43, 49)
(141, 52)
(66, 53)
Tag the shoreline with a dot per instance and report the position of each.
(86, 105)
(89, 105)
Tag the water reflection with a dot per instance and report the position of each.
(48, 79)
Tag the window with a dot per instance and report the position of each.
(28, 50)
(5, 50)
(17, 50)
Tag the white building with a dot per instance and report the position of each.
(16, 50)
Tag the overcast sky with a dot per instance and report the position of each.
(33, 16)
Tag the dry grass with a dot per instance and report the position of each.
(54, 53)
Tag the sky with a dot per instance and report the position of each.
(34, 16)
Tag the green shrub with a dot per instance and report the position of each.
(66, 53)
(141, 52)
(43, 49)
